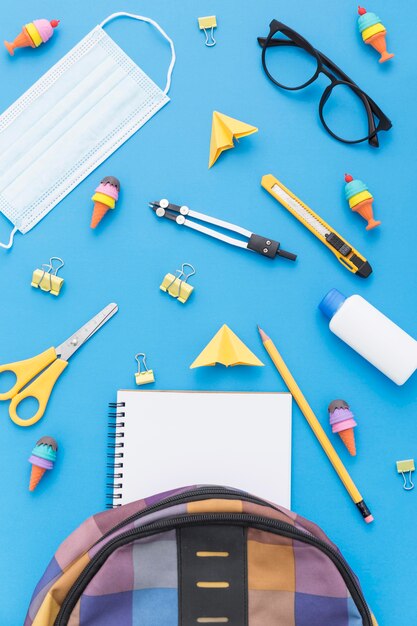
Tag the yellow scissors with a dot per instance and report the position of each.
(46, 368)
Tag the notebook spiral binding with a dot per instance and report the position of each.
(115, 454)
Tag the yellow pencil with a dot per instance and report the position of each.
(315, 426)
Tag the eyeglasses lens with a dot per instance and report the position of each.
(289, 65)
(345, 115)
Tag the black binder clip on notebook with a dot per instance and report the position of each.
(184, 216)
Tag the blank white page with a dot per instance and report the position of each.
(178, 438)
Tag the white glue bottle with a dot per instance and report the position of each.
(373, 335)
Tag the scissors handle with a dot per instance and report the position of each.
(26, 370)
(40, 389)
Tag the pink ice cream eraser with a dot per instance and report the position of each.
(108, 190)
(44, 28)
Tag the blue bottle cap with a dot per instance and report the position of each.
(331, 302)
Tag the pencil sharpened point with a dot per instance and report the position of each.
(263, 334)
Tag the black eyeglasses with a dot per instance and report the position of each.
(292, 63)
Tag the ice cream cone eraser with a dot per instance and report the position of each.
(43, 458)
(32, 35)
(360, 200)
(342, 423)
(373, 33)
(105, 198)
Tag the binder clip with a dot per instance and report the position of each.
(208, 23)
(177, 286)
(145, 377)
(47, 278)
(404, 468)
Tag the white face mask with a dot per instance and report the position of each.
(70, 121)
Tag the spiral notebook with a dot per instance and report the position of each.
(160, 440)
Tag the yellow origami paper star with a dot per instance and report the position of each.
(226, 348)
(224, 129)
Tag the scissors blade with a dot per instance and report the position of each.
(66, 350)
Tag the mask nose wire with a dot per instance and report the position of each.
(141, 18)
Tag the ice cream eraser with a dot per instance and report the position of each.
(105, 198)
(373, 33)
(360, 200)
(342, 423)
(32, 35)
(43, 458)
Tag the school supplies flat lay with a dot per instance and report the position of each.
(271, 45)
(74, 117)
(183, 216)
(218, 438)
(315, 426)
(45, 369)
(201, 554)
(226, 348)
(224, 130)
(207, 553)
(343, 251)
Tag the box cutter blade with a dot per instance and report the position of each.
(184, 216)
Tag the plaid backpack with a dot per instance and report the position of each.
(198, 555)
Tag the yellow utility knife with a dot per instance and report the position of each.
(343, 251)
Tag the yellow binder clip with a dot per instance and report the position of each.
(47, 278)
(177, 286)
(406, 469)
(208, 23)
(146, 376)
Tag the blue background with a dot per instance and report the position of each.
(126, 258)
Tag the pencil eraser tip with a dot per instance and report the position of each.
(369, 519)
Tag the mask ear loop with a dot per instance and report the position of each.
(141, 18)
(7, 246)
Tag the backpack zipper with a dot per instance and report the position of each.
(188, 496)
(242, 519)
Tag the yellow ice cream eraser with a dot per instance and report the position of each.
(34, 34)
(107, 200)
(359, 197)
(373, 30)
